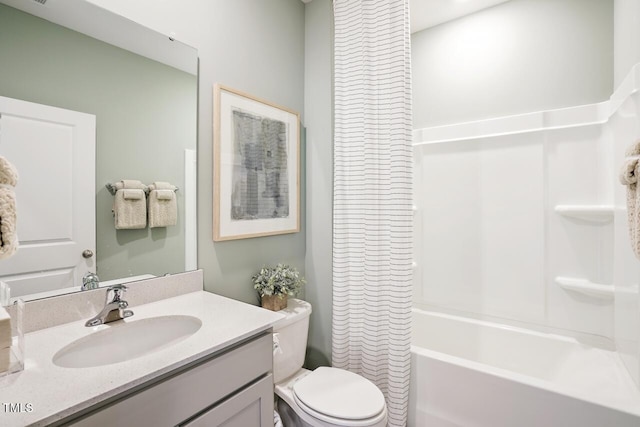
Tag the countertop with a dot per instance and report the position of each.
(49, 393)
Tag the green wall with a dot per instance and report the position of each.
(319, 121)
(146, 116)
(258, 47)
(255, 46)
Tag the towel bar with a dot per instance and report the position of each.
(112, 189)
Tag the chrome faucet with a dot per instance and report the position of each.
(90, 281)
(114, 309)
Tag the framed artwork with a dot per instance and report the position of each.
(256, 167)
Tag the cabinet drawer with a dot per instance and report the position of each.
(252, 407)
(177, 398)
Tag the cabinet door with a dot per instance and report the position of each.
(252, 407)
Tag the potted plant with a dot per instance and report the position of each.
(275, 284)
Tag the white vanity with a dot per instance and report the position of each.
(200, 375)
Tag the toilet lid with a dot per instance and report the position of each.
(337, 393)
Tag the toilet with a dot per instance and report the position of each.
(325, 397)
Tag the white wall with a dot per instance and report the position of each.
(490, 243)
(626, 130)
(255, 46)
(480, 208)
(517, 57)
(626, 18)
(576, 165)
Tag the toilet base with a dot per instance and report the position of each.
(288, 415)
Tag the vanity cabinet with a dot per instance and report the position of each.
(233, 387)
(245, 408)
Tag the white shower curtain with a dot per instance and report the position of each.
(373, 220)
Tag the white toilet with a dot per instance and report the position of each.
(325, 397)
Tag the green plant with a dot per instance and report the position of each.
(280, 280)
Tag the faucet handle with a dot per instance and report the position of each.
(90, 281)
(118, 291)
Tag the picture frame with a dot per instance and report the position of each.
(256, 167)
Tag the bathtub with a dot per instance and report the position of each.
(467, 372)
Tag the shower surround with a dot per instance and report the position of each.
(521, 221)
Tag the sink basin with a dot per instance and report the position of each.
(126, 340)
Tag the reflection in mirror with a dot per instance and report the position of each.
(62, 91)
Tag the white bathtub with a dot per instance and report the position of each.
(474, 373)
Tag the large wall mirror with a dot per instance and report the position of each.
(141, 89)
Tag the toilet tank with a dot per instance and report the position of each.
(290, 339)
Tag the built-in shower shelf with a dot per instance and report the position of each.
(593, 213)
(585, 287)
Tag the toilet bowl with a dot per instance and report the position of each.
(332, 405)
(325, 397)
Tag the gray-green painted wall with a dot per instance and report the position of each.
(258, 47)
(255, 46)
(318, 108)
(145, 117)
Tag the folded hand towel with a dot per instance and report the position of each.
(8, 215)
(629, 177)
(160, 185)
(132, 194)
(129, 205)
(163, 205)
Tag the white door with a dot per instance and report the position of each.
(53, 150)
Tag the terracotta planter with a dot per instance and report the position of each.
(274, 302)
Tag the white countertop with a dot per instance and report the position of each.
(54, 392)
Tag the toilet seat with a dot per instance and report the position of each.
(340, 397)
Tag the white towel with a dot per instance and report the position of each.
(163, 205)
(130, 205)
(629, 174)
(8, 214)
